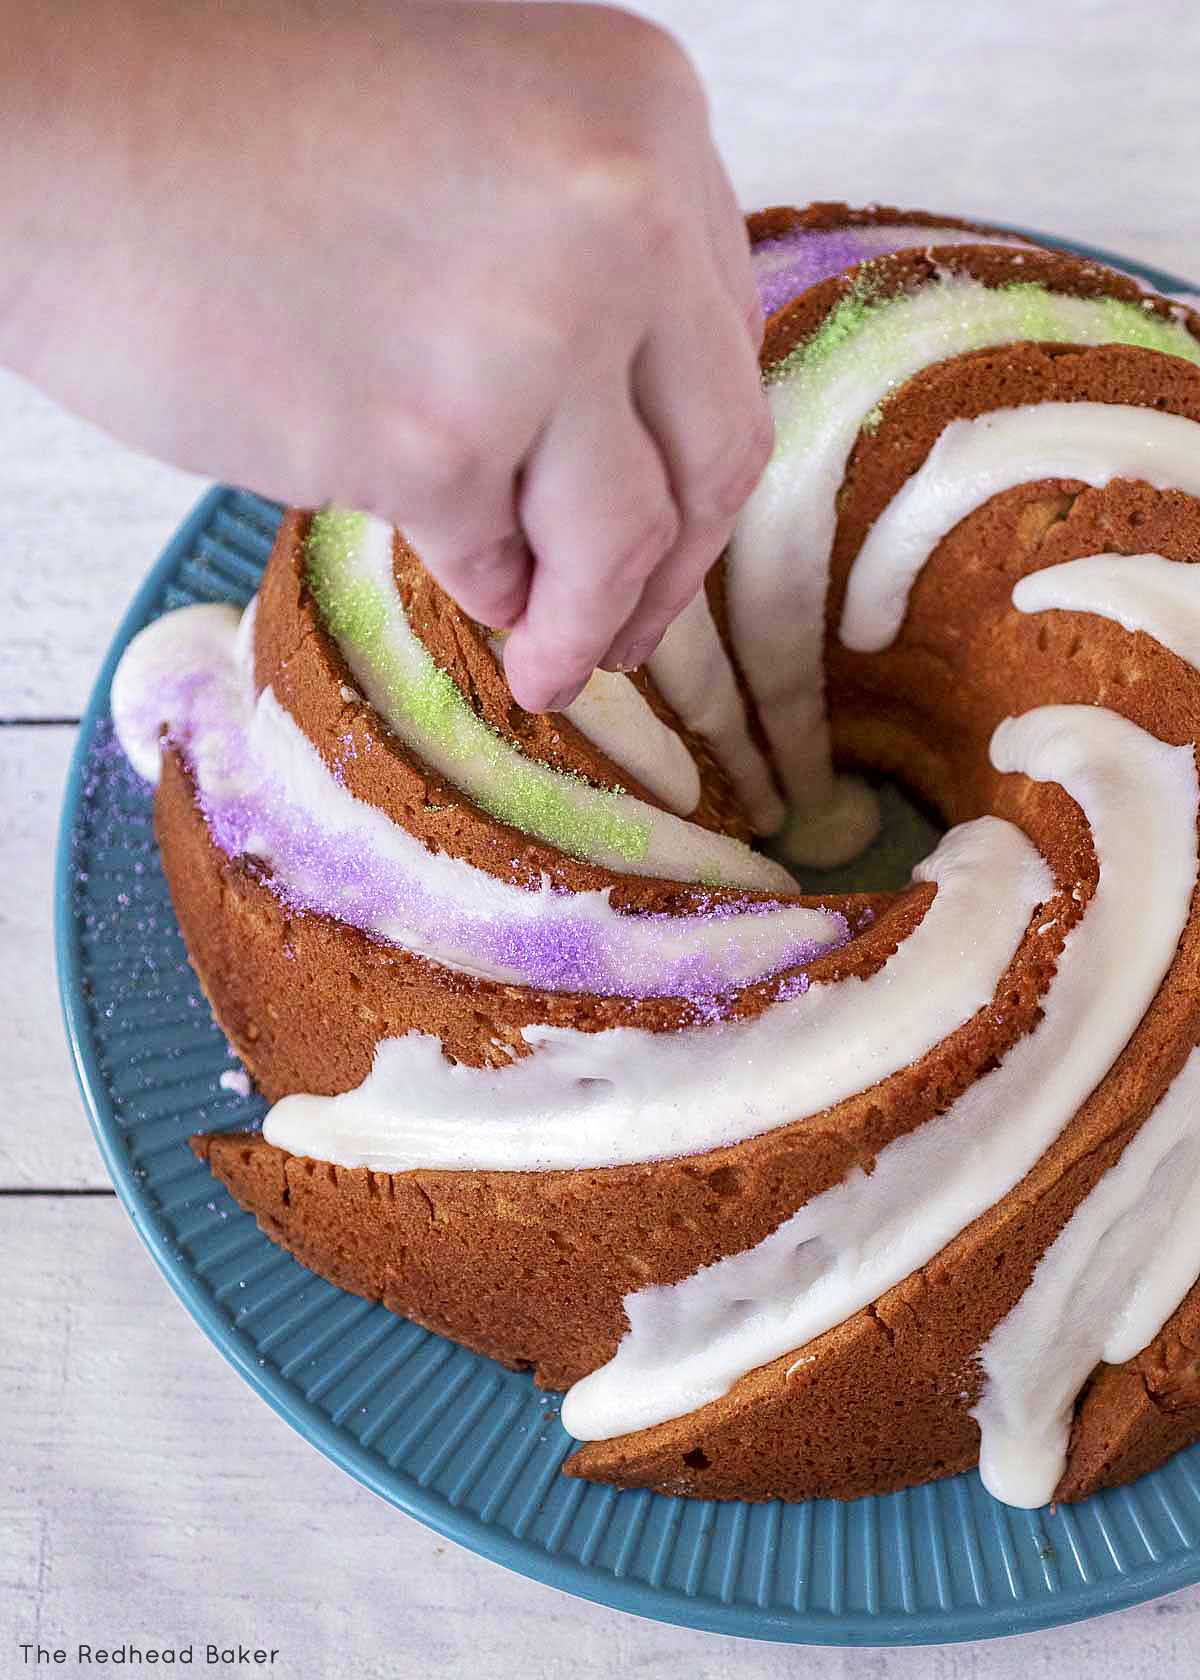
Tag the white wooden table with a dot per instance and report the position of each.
(145, 1494)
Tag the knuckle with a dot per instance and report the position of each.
(721, 493)
(526, 333)
(488, 581)
(479, 577)
(725, 499)
(447, 464)
(675, 597)
(646, 541)
(412, 473)
(613, 184)
(548, 344)
(662, 234)
(623, 197)
(434, 457)
(491, 565)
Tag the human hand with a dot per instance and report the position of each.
(476, 268)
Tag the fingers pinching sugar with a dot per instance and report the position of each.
(666, 593)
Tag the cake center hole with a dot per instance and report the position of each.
(909, 831)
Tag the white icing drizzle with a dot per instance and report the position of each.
(473, 758)
(779, 556)
(974, 460)
(622, 1095)
(614, 715)
(688, 1343)
(1131, 1250)
(693, 673)
(1103, 1289)
(836, 831)
(239, 744)
(199, 641)
(1137, 591)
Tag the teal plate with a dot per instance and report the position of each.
(448, 1436)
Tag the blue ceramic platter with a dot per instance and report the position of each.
(447, 1436)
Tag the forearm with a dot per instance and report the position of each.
(113, 113)
(68, 90)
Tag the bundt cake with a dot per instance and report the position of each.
(795, 1191)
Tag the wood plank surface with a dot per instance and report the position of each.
(46, 1142)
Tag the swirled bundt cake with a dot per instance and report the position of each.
(796, 1192)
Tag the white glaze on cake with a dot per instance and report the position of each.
(779, 557)
(689, 1342)
(602, 1099)
(1131, 1249)
(1145, 592)
(692, 671)
(614, 715)
(194, 642)
(1103, 1289)
(974, 460)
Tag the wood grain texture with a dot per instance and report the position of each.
(45, 1140)
(144, 1493)
(1064, 115)
(83, 519)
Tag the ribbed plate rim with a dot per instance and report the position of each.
(525, 1557)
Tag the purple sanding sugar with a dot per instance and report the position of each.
(129, 938)
(783, 268)
(314, 868)
(786, 267)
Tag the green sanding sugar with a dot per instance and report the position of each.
(351, 609)
(431, 702)
(1143, 326)
(425, 706)
(1119, 321)
(1031, 312)
(844, 322)
(873, 419)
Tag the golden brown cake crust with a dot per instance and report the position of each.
(532, 1267)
